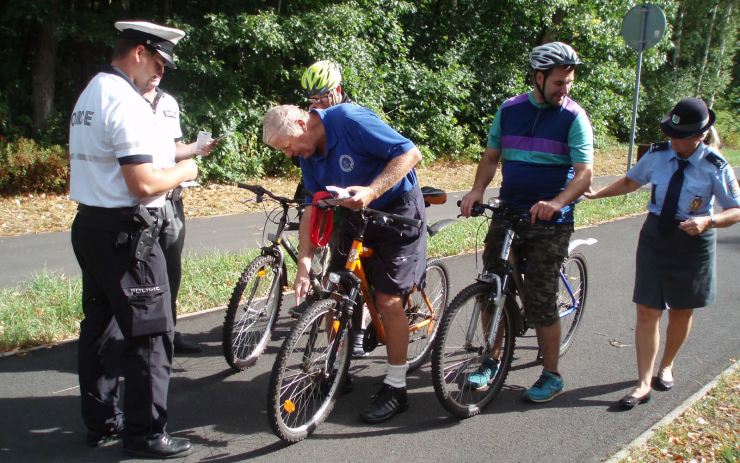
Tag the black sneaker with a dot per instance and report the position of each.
(385, 403)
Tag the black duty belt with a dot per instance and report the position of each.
(175, 194)
(124, 214)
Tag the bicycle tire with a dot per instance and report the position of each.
(303, 387)
(576, 272)
(453, 360)
(425, 320)
(252, 311)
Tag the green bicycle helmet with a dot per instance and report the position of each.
(321, 77)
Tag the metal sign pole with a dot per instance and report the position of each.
(641, 47)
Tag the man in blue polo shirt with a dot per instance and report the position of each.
(545, 144)
(350, 147)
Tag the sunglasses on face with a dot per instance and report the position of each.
(317, 99)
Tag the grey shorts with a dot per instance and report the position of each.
(399, 259)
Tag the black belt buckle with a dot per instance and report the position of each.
(175, 194)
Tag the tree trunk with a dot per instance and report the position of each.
(722, 41)
(678, 32)
(706, 49)
(42, 77)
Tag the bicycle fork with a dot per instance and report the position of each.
(497, 296)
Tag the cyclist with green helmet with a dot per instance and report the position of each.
(544, 142)
(322, 84)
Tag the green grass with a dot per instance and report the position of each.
(732, 156)
(48, 309)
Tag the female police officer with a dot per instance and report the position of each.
(686, 176)
(125, 297)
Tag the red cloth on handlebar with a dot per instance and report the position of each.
(322, 220)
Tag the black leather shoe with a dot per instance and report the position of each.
(162, 447)
(628, 402)
(660, 384)
(98, 438)
(386, 403)
(185, 347)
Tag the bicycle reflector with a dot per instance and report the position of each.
(322, 220)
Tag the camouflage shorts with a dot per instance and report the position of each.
(543, 247)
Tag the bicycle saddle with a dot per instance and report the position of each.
(433, 195)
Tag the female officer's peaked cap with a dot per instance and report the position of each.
(160, 38)
(689, 117)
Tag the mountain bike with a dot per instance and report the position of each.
(257, 296)
(314, 359)
(486, 317)
(255, 301)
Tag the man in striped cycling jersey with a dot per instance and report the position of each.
(544, 142)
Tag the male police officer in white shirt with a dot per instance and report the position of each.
(127, 327)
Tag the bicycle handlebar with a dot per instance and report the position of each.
(261, 191)
(387, 217)
(500, 209)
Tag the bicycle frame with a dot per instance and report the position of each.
(513, 274)
(353, 276)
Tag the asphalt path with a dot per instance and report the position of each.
(224, 413)
(52, 252)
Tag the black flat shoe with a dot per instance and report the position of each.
(628, 402)
(661, 384)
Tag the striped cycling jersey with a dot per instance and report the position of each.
(539, 144)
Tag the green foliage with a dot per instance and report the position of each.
(26, 166)
(435, 70)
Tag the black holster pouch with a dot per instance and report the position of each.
(146, 235)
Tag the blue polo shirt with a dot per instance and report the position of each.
(358, 147)
(539, 144)
(708, 176)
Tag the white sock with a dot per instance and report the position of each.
(395, 375)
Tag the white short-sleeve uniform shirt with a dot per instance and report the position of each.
(167, 120)
(112, 125)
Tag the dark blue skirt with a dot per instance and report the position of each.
(677, 271)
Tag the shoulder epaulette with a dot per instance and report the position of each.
(716, 159)
(662, 146)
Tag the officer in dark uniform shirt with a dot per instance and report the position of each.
(127, 326)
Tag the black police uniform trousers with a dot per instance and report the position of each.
(127, 326)
(172, 241)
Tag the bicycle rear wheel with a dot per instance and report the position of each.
(252, 311)
(460, 348)
(308, 373)
(424, 318)
(571, 298)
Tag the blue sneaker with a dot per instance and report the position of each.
(484, 375)
(549, 386)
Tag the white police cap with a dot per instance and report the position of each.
(160, 38)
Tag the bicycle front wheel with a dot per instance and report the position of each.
(571, 298)
(308, 373)
(252, 311)
(462, 345)
(424, 312)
